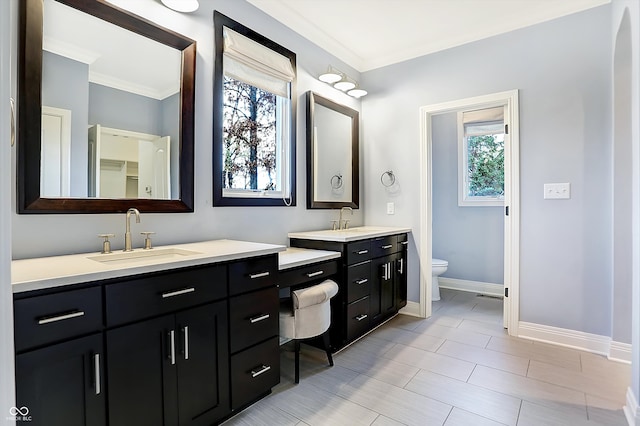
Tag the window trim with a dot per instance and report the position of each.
(231, 197)
(464, 200)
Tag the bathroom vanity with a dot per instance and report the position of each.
(372, 276)
(184, 335)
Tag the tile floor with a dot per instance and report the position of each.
(457, 368)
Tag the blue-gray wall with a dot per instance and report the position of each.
(470, 238)
(65, 85)
(124, 110)
(562, 69)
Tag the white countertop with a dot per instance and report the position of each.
(294, 257)
(55, 271)
(351, 234)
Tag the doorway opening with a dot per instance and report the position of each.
(507, 103)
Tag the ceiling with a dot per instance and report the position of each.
(368, 34)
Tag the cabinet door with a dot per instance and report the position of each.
(63, 384)
(401, 279)
(142, 373)
(203, 364)
(382, 297)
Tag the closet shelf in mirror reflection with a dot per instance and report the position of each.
(342, 82)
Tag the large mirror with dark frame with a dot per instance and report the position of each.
(105, 111)
(332, 154)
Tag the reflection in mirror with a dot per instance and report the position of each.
(105, 87)
(106, 111)
(332, 154)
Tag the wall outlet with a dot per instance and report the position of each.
(391, 208)
(557, 191)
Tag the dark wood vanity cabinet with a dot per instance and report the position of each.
(181, 347)
(373, 283)
(60, 384)
(60, 357)
(170, 370)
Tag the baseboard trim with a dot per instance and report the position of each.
(631, 408)
(615, 351)
(490, 289)
(620, 352)
(412, 309)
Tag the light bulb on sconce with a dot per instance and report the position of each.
(344, 85)
(357, 92)
(185, 6)
(330, 77)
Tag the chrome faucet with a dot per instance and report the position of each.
(344, 225)
(127, 233)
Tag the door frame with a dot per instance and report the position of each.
(511, 200)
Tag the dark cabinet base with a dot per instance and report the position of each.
(62, 384)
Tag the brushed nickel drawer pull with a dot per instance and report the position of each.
(172, 353)
(387, 247)
(12, 102)
(401, 270)
(362, 281)
(96, 366)
(361, 317)
(178, 292)
(259, 318)
(404, 243)
(263, 369)
(62, 317)
(186, 342)
(362, 252)
(260, 275)
(314, 274)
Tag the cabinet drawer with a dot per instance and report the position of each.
(53, 317)
(254, 372)
(292, 277)
(158, 294)
(357, 318)
(253, 317)
(383, 246)
(358, 252)
(403, 241)
(252, 274)
(358, 281)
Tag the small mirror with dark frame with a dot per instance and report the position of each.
(332, 154)
(167, 106)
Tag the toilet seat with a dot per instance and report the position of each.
(439, 262)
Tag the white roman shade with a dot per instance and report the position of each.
(483, 121)
(255, 64)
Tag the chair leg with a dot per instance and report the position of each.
(325, 340)
(297, 361)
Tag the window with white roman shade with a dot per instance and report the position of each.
(254, 118)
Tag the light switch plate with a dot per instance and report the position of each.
(557, 191)
(391, 208)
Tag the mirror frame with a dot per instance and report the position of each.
(30, 113)
(312, 100)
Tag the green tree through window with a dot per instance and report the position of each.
(486, 165)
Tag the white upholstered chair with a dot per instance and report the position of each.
(310, 316)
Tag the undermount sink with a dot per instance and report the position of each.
(143, 256)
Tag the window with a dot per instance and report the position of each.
(481, 157)
(254, 119)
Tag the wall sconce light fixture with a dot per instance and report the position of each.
(343, 82)
(182, 5)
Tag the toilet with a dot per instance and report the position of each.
(438, 267)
